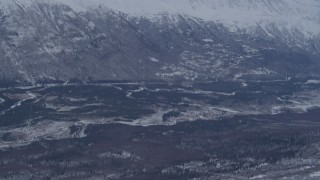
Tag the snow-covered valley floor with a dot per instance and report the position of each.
(29, 114)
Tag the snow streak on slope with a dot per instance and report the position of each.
(291, 15)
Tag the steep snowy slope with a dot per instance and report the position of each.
(159, 39)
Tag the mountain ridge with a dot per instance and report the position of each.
(291, 13)
(57, 40)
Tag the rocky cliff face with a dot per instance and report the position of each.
(152, 40)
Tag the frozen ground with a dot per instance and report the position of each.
(54, 109)
(208, 130)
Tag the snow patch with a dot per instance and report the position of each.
(313, 82)
(154, 59)
(1, 100)
(29, 96)
(47, 130)
(315, 174)
(207, 40)
(258, 176)
(91, 25)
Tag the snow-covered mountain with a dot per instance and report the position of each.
(291, 14)
(159, 39)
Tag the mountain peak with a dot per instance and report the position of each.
(289, 14)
